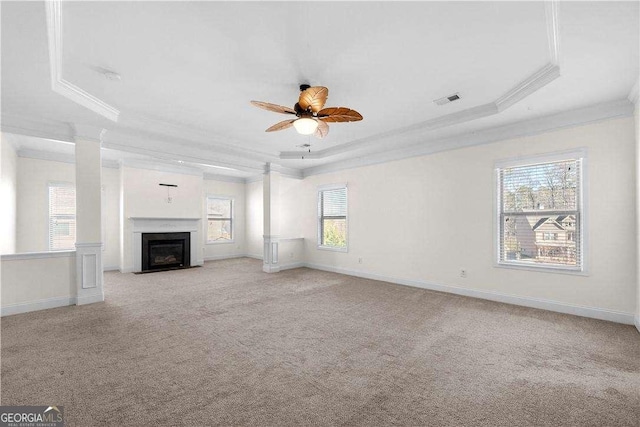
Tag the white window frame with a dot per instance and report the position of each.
(75, 216)
(206, 220)
(582, 209)
(319, 218)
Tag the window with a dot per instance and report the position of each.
(540, 214)
(332, 218)
(219, 219)
(62, 217)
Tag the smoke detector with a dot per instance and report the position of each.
(447, 99)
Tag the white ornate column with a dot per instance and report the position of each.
(89, 275)
(271, 219)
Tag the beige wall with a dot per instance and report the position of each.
(254, 205)
(142, 196)
(236, 191)
(439, 211)
(37, 283)
(8, 187)
(34, 176)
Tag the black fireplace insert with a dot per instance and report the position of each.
(165, 251)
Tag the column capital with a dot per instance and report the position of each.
(87, 132)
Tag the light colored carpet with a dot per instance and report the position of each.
(229, 345)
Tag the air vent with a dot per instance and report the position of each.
(447, 99)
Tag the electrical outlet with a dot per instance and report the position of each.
(290, 254)
(359, 260)
(463, 273)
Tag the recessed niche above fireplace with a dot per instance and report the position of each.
(165, 251)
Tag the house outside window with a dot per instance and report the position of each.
(62, 216)
(332, 218)
(540, 212)
(219, 219)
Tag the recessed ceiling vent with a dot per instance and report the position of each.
(447, 99)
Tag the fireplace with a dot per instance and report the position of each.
(165, 251)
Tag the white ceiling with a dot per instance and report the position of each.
(189, 70)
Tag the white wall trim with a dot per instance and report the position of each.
(37, 305)
(223, 178)
(58, 84)
(539, 303)
(51, 156)
(38, 255)
(637, 322)
(531, 127)
(528, 86)
(553, 30)
(292, 265)
(221, 257)
(160, 167)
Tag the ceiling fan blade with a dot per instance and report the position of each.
(339, 114)
(285, 124)
(322, 131)
(314, 98)
(273, 107)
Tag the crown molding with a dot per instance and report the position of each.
(224, 178)
(134, 123)
(169, 151)
(633, 93)
(88, 132)
(284, 171)
(566, 119)
(536, 81)
(553, 30)
(255, 178)
(159, 166)
(40, 128)
(51, 156)
(58, 83)
(528, 86)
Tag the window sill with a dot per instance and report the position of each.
(225, 242)
(542, 269)
(332, 248)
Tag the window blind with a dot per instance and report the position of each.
(219, 219)
(332, 217)
(62, 217)
(540, 214)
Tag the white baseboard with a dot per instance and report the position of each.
(111, 268)
(254, 256)
(41, 304)
(637, 322)
(219, 257)
(292, 265)
(577, 310)
(90, 299)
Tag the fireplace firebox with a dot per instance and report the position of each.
(165, 251)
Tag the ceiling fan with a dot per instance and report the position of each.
(311, 118)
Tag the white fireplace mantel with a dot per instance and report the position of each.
(163, 225)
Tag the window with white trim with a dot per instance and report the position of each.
(219, 219)
(541, 215)
(332, 218)
(62, 216)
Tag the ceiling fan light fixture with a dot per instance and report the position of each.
(305, 126)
